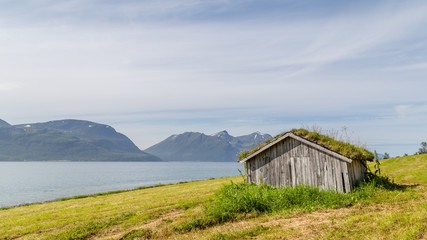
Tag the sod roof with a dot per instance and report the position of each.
(345, 149)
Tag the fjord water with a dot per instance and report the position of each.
(31, 182)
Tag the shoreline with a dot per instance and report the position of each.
(107, 193)
(27, 183)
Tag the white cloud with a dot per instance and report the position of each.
(414, 66)
(407, 110)
(8, 86)
(83, 58)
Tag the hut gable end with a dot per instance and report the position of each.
(291, 160)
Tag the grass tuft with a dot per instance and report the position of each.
(138, 234)
(240, 234)
(344, 148)
(235, 200)
(92, 228)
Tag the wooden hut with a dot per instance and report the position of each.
(290, 160)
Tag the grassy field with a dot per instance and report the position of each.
(407, 170)
(164, 212)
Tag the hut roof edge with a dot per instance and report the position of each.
(301, 139)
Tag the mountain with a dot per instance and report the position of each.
(194, 146)
(73, 140)
(4, 123)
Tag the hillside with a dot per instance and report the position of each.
(73, 140)
(163, 212)
(406, 170)
(193, 146)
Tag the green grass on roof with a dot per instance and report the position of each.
(346, 149)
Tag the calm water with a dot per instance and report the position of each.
(30, 182)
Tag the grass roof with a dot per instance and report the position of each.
(346, 149)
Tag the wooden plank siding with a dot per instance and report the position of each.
(357, 173)
(290, 162)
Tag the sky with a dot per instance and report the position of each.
(154, 68)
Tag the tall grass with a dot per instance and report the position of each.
(235, 200)
(342, 146)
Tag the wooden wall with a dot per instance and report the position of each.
(290, 163)
(357, 172)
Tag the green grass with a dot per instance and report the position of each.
(379, 210)
(240, 234)
(233, 201)
(408, 170)
(99, 194)
(91, 228)
(81, 218)
(346, 149)
(138, 234)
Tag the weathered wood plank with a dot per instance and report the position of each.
(255, 173)
(315, 166)
(305, 167)
(254, 168)
(331, 178)
(320, 179)
(263, 168)
(328, 173)
(290, 162)
(334, 173)
(258, 169)
(277, 164)
(351, 174)
(293, 168)
(356, 171)
(311, 168)
(344, 169)
(298, 170)
(310, 171)
(289, 180)
(260, 164)
(294, 162)
(325, 172)
(267, 173)
(283, 165)
(248, 171)
(303, 170)
(338, 173)
(272, 166)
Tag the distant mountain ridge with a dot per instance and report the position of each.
(194, 146)
(3, 123)
(73, 140)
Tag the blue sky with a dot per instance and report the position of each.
(161, 67)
